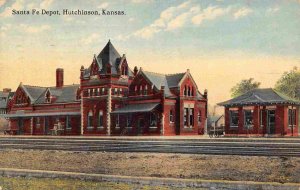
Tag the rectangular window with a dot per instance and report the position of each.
(117, 121)
(38, 124)
(185, 117)
(68, 122)
(153, 120)
(248, 118)
(171, 116)
(261, 118)
(234, 118)
(191, 112)
(292, 117)
(199, 116)
(100, 120)
(128, 121)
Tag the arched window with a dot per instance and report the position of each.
(90, 119)
(185, 91)
(189, 91)
(100, 119)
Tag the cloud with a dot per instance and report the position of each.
(210, 13)
(35, 29)
(103, 5)
(242, 12)
(131, 19)
(162, 22)
(18, 5)
(141, 1)
(2, 2)
(90, 39)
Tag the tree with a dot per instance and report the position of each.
(243, 87)
(289, 83)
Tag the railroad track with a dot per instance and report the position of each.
(248, 147)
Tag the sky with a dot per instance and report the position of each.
(221, 42)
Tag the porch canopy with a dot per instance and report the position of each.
(266, 96)
(22, 114)
(136, 108)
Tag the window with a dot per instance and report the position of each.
(199, 116)
(234, 118)
(185, 116)
(191, 112)
(47, 98)
(261, 118)
(102, 91)
(292, 117)
(153, 120)
(185, 91)
(248, 118)
(120, 91)
(141, 90)
(68, 122)
(116, 91)
(189, 91)
(90, 119)
(192, 93)
(128, 121)
(37, 124)
(100, 119)
(117, 121)
(145, 90)
(171, 116)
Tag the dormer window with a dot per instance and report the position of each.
(48, 97)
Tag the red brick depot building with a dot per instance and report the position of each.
(262, 112)
(111, 99)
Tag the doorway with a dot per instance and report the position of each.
(21, 126)
(140, 126)
(271, 122)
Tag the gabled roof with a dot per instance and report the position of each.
(174, 79)
(33, 92)
(157, 80)
(64, 94)
(265, 96)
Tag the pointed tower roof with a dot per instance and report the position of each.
(109, 55)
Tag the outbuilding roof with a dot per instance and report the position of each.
(265, 96)
(63, 95)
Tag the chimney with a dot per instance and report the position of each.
(135, 70)
(205, 94)
(6, 90)
(59, 77)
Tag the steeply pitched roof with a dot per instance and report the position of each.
(33, 92)
(108, 56)
(174, 79)
(158, 80)
(260, 96)
(63, 95)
